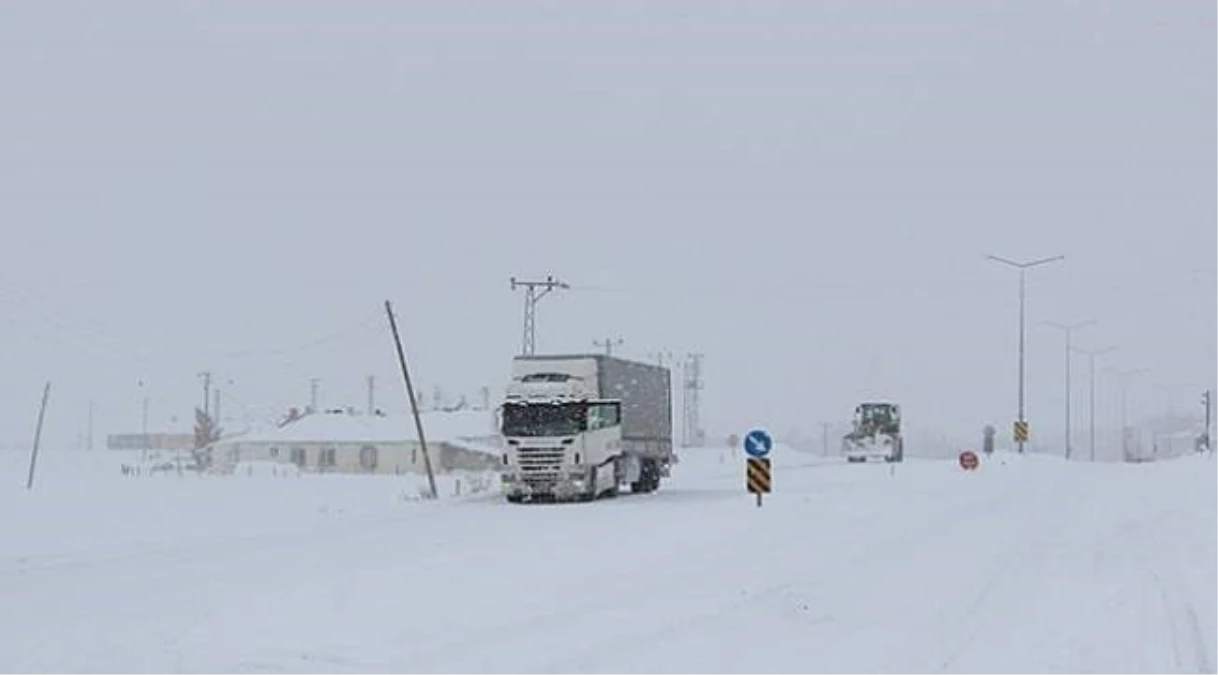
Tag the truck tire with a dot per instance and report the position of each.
(515, 499)
(649, 478)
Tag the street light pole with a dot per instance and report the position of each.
(1023, 267)
(1068, 329)
(1091, 356)
(1126, 375)
(1170, 413)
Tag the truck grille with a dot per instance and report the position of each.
(540, 465)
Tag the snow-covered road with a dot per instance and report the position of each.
(1029, 564)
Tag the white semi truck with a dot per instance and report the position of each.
(576, 427)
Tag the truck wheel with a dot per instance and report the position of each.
(655, 478)
(648, 478)
(515, 499)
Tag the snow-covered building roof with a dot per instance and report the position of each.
(438, 426)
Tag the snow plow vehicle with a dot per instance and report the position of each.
(875, 434)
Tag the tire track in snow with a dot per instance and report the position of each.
(1184, 627)
(912, 651)
(674, 617)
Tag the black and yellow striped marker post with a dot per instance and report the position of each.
(760, 480)
(1021, 431)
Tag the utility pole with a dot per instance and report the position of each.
(662, 358)
(692, 426)
(144, 428)
(42, 410)
(534, 291)
(1091, 356)
(1069, 329)
(608, 345)
(206, 375)
(216, 410)
(313, 383)
(145, 446)
(371, 394)
(1023, 267)
(1207, 401)
(414, 405)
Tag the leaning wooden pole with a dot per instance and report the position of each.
(414, 406)
(42, 411)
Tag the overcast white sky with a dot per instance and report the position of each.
(804, 191)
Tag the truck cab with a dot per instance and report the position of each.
(560, 448)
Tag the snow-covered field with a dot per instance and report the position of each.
(1027, 565)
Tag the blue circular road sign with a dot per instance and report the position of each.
(758, 443)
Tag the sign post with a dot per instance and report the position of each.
(758, 474)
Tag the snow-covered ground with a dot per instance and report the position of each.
(1030, 564)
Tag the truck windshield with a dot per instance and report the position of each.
(544, 419)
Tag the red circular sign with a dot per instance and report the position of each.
(968, 460)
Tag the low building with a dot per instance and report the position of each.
(341, 442)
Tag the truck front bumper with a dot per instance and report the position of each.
(525, 488)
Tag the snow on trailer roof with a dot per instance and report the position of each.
(573, 357)
(438, 426)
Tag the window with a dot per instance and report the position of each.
(274, 453)
(603, 416)
(299, 457)
(326, 458)
(367, 458)
(544, 419)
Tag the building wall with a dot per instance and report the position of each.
(351, 458)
